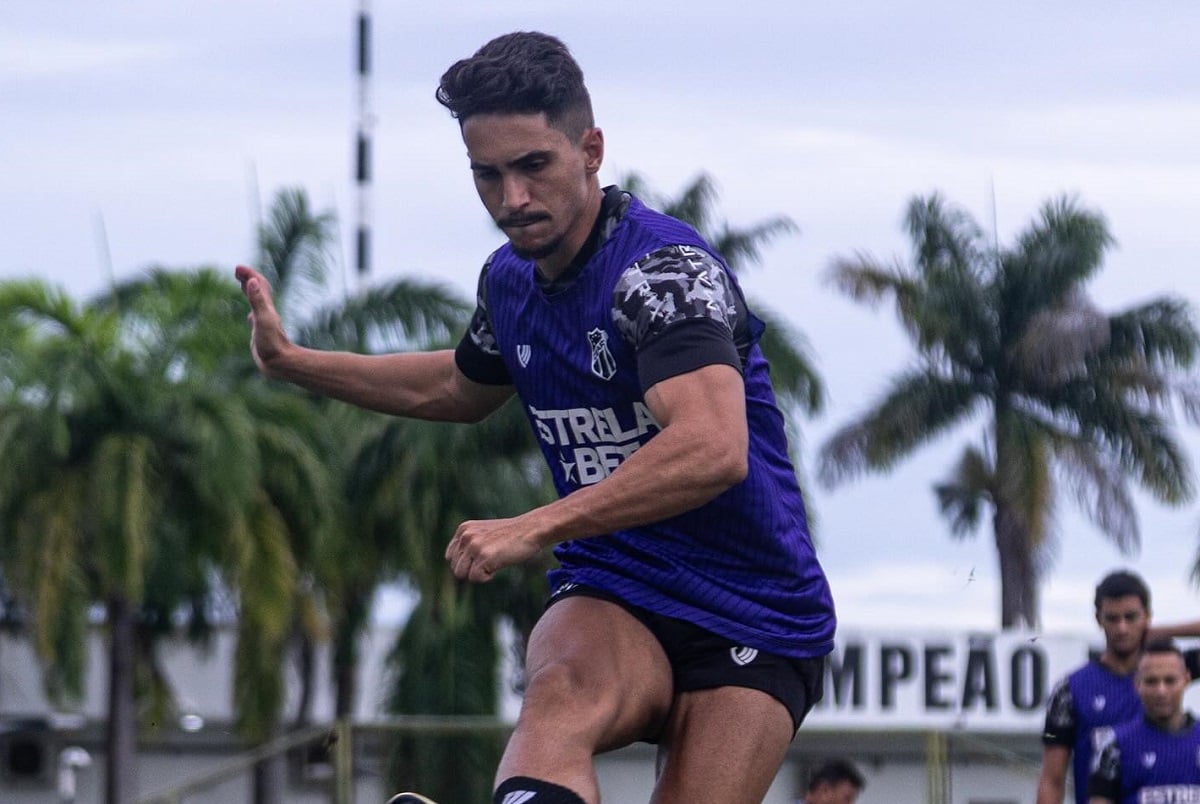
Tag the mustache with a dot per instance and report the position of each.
(520, 220)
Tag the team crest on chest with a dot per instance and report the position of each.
(604, 365)
(524, 352)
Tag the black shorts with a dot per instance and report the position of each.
(702, 660)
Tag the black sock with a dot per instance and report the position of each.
(524, 790)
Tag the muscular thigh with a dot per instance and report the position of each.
(593, 661)
(722, 744)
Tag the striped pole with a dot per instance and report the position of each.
(362, 156)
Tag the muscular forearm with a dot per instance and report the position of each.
(1191, 628)
(681, 468)
(423, 385)
(700, 452)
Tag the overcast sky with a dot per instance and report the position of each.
(139, 133)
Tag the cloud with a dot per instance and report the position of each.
(28, 56)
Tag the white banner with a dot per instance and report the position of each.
(993, 682)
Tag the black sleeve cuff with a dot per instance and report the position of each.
(686, 346)
(479, 366)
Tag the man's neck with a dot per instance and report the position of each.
(554, 266)
(1171, 724)
(1119, 665)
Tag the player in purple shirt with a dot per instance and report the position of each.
(1102, 692)
(689, 609)
(1155, 758)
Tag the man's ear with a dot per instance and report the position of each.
(592, 145)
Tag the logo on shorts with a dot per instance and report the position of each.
(524, 352)
(564, 588)
(742, 656)
(1098, 702)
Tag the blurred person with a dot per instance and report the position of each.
(1101, 692)
(836, 781)
(1155, 758)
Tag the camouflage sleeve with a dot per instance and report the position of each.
(1060, 717)
(679, 310)
(1104, 779)
(477, 354)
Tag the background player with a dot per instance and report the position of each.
(1155, 757)
(1101, 692)
(836, 781)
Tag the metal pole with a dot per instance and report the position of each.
(343, 773)
(362, 146)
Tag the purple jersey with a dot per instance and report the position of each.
(1088, 699)
(742, 565)
(1138, 763)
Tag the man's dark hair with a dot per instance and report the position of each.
(834, 771)
(1163, 646)
(520, 73)
(1122, 584)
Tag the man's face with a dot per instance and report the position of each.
(832, 793)
(1124, 620)
(535, 183)
(1161, 681)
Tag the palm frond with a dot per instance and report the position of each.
(793, 374)
(403, 314)
(946, 240)
(744, 247)
(1052, 260)
(918, 406)
(1101, 488)
(962, 497)
(294, 248)
(1139, 439)
(1162, 331)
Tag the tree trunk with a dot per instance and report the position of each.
(121, 731)
(1018, 574)
(345, 653)
(1018, 578)
(306, 661)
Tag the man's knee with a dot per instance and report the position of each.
(562, 688)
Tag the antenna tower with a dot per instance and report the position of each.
(362, 155)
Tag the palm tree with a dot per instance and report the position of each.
(295, 256)
(129, 479)
(406, 485)
(1073, 397)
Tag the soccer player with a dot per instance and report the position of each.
(835, 782)
(688, 608)
(1156, 757)
(1101, 692)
